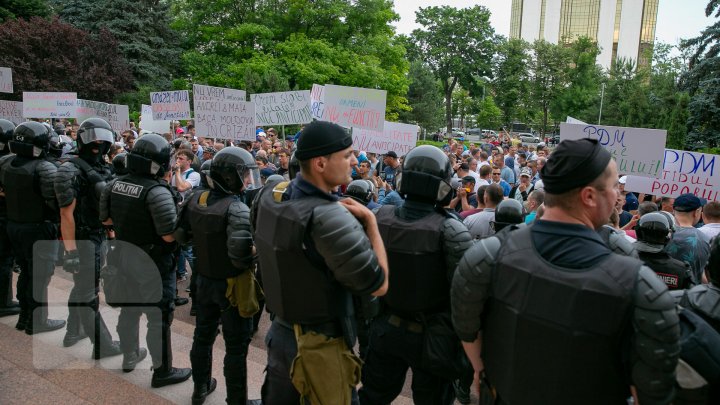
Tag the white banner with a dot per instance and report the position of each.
(6, 83)
(147, 123)
(119, 117)
(399, 138)
(49, 104)
(115, 114)
(12, 111)
(317, 101)
(170, 105)
(225, 119)
(202, 92)
(683, 172)
(355, 107)
(285, 108)
(637, 151)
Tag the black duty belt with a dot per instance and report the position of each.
(329, 329)
(412, 326)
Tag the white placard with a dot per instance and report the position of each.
(225, 119)
(6, 83)
(396, 137)
(202, 92)
(355, 107)
(571, 120)
(170, 105)
(119, 117)
(683, 172)
(637, 151)
(317, 101)
(285, 108)
(12, 111)
(147, 123)
(49, 104)
(115, 114)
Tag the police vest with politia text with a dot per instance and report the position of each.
(129, 211)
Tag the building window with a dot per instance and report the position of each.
(579, 18)
(647, 32)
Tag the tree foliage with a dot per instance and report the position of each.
(11, 9)
(548, 66)
(142, 28)
(424, 97)
(54, 56)
(293, 44)
(458, 45)
(512, 84)
(581, 98)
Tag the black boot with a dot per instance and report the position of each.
(38, 322)
(22, 320)
(103, 346)
(131, 360)
(202, 391)
(8, 307)
(170, 376)
(75, 331)
(10, 310)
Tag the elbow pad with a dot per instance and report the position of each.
(240, 240)
(162, 209)
(342, 242)
(656, 344)
(471, 287)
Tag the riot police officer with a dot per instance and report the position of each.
(7, 305)
(653, 233)
(27, 180)
(362, 191)
(143, 212)
(550, 315)
(508, 213)
(218, 223)
(314, 253)
(424, 244)
(78, 185)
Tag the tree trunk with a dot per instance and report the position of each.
(448, 102)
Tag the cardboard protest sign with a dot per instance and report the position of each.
(12, 111)
(355, 107)
(147, 123)
(317, 101)
(170, 105)
(637, 151)
(119, 117)
(49, 104)
(207, 93)
(285, 108)
(225, 119)
(116, 115)
(396, 137)
(683, 172)
(6, 83)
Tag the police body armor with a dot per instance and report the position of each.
(91, 183)
(24, 202)
(131, 218)
(582, 313)
(297, 289)
(209, 227)
(419, 281)
(675, 274)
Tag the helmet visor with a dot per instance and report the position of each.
(91, 135)
(250, 176)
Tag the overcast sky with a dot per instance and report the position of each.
(676, 18)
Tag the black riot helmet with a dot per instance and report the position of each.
(233, 169)
(360, 191)
(425, 175)
(30, 139)
(150, 156)
(92, 130)
(6, 135)
(205, 172)
(653, 228)
(119, 163)
(55, 146)
(508, 212)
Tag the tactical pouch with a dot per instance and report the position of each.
(244, 292)
(324, 371)
(114, 280)
(442, 355)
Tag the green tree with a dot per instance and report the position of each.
(457, 44)
(424, 97)
(512, 83)
(142, 27)
(10, 9)
(489, 115)
(581, 98)
(548, 67)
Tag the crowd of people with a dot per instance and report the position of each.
(528, 273)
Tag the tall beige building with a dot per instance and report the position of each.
(622, 28)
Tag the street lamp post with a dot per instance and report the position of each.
(602, 97)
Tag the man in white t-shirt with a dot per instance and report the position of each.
(711, 219)
(184, 178)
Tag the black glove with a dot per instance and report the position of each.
(71, 262)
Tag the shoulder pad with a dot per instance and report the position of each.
(238, 210)
(620, 245)
(454, 229)
(483, 252)
(652, 293)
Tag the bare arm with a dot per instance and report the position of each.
(67, 226)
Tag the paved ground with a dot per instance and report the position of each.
(38, 370)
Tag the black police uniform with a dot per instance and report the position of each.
(142, 209)
(675, 274)
(7, 305)
(82, 181)
(313, 253)
(424, 247)
(564, 320)
(27, 179)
